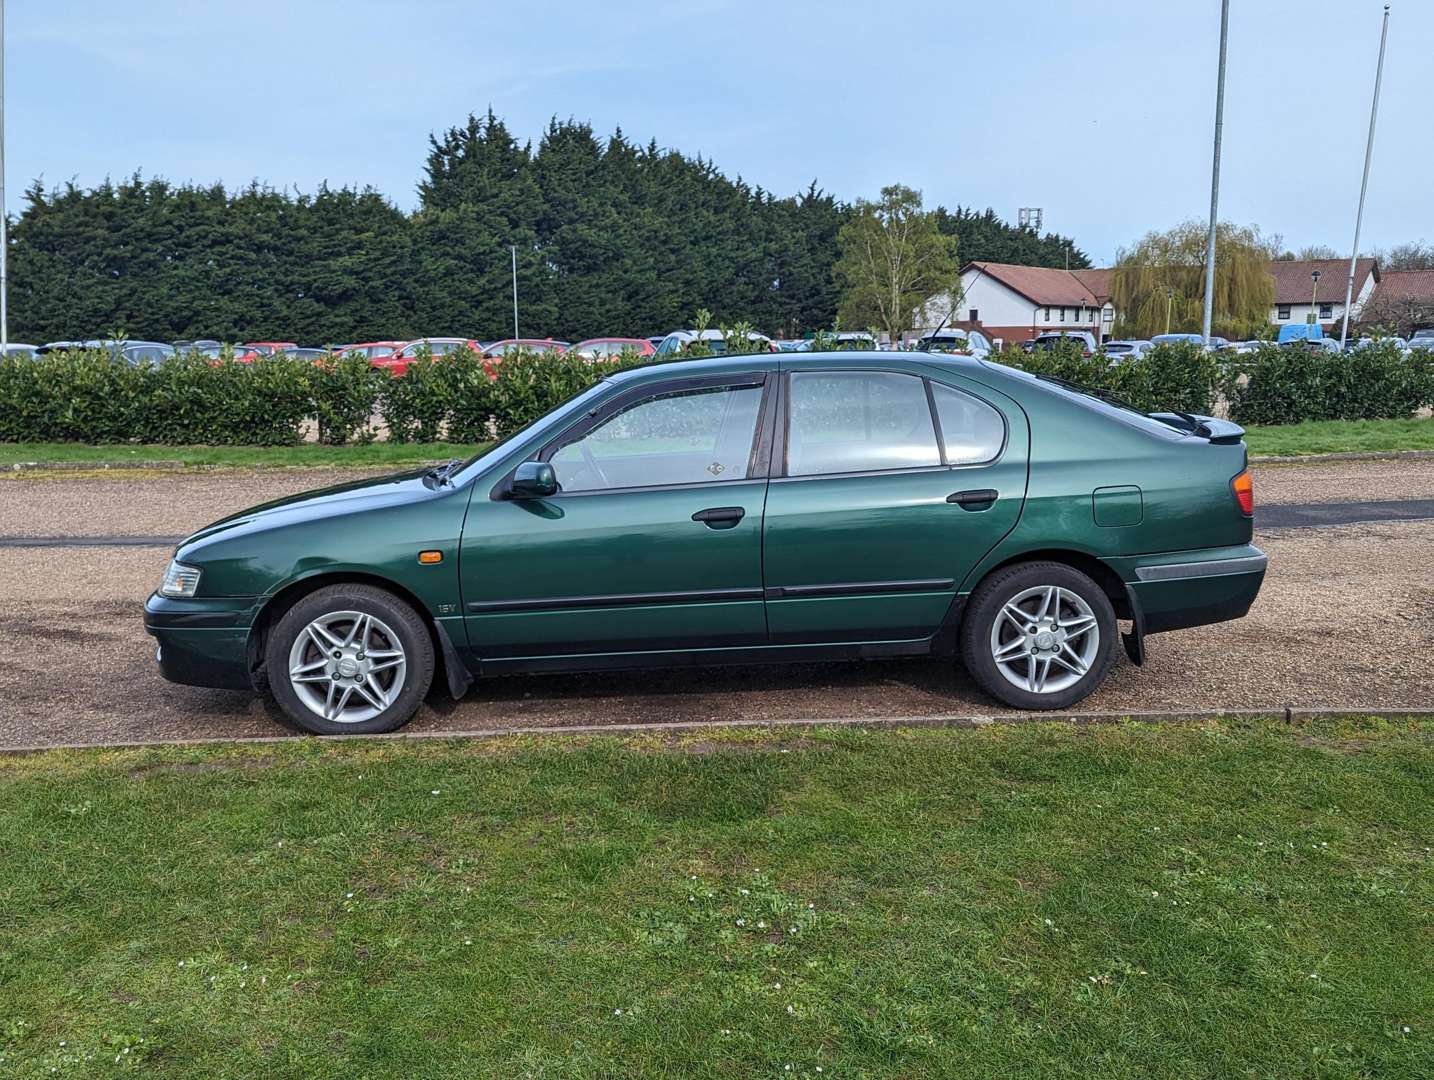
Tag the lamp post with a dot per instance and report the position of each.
(1169, 300)
(1314, 295)
(514, 252)
(1364, 183)
(1215, 178)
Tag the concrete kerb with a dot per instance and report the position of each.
(1288, 715)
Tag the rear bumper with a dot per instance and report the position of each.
(1185, 589)
(202, 642)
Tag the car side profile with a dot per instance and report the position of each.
(770, 507)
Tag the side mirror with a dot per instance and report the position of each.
(534, 480)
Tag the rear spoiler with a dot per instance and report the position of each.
(1221, 432)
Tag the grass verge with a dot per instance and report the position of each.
(1341, 437)
(1024, 900)
(372, 455)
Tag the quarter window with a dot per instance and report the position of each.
(971, 431)
(684, 437)
(858, 421)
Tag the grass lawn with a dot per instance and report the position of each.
(1034, 900)
(378, 454)
(1341, 436)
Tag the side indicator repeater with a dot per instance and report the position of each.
(428, 558)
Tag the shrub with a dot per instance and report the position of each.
(1287, 385)
(192, 399)
(415, 405)
(345, 392)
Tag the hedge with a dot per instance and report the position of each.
(93, 397)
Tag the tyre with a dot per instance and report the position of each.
(1038, 635)
(349, 659)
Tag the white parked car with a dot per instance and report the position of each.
(1127, 349)
(953, 339)
(715, 340)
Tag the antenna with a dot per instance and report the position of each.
(1031, 217)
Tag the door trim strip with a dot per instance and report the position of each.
(858, 588)
(556, 603)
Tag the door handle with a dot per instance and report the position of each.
(720, 517)
(976, 499)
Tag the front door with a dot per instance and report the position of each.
(890, 488)
(653, 541)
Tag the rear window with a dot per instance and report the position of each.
(1094, 404)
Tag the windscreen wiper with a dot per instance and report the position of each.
(437, 476)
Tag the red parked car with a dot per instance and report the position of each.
(396, 363)
(608, 348)
(500, 349)
(371, 350)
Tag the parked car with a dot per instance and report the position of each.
(16, 348)
(793, 345)
(133, 352)
(1422, 339)
(207, 347)
(1084, 338)
(715, 340)
(1372, 342)
(656, 341)
(606, 348)
(396, 363)
(264, 348)
(500, 349)
(1130, 349)
(955, 340)
(370, 350)
(666, 516)
(1314, 344)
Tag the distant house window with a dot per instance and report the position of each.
(1046, 315)
(1283, 311)
(1063, 314)
(973, 315)
(1326, 311)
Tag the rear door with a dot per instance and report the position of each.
(888, 488)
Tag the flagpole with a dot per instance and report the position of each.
(1364, 183)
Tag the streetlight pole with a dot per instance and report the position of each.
(1215, 176)
(1169, 299)
(1314, 294)
(4, 218)
(1364, 184)
(514, 251)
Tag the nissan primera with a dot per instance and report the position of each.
(735, 510)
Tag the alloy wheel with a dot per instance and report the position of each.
(1045, 639)
(347, 666)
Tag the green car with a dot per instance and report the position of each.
(735, 510)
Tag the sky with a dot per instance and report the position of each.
(1101, 112)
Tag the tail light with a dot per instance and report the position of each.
(1243, 486)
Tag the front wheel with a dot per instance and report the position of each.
(350, 659)
(1039, 636)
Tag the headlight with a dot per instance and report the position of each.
(180, 580)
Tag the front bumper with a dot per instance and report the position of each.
(202, 642)
(1181, 589)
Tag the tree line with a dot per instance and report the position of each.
(610, 237)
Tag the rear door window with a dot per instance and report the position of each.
(858, 421)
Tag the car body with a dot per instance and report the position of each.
(952, 339)
(675, 343)
(1051, 339)
(1374, 342)
(137, 353)
(657, 340)
(1128, 349)
(1312, 344)
(1422, 339)
(206, 347)
(265, 348)
(497, 350)
(607, 348)
(396, 363)
(16, 348)
(370, 350)
(730, 510)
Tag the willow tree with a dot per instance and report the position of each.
(1161, 282)
(894, 256)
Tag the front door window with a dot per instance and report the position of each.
(696, 436)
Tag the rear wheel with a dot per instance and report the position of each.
(350, 659)
(1039, 636)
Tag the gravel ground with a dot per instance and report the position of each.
(1342, 622)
